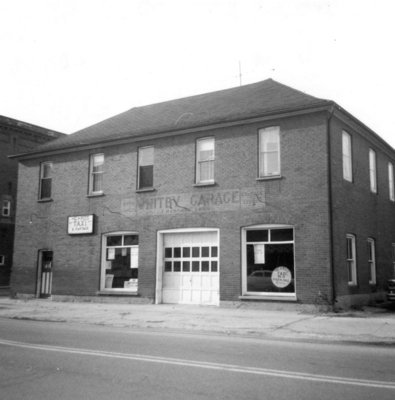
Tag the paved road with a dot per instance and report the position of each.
(41, 360)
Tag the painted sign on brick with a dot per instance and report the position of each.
(215, 200)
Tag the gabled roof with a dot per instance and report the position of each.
(239, 103)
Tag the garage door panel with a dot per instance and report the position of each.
(193, 257)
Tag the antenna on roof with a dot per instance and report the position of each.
(240, 72)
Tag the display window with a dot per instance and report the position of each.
(268, 260)
(120, 261)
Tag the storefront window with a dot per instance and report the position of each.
(120, 262)
(268, 261)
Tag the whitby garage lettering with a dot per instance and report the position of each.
(220, 200)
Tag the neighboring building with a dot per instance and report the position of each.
(259, 192)
(15, 137)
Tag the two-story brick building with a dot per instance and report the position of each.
(259, 192)
(15, 136)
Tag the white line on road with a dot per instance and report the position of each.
(207, 365)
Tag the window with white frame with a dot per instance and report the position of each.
(351, 259)
(120, 262)
(45, 191)
(2, 260)
(205, 157)
(347, 156)
(96, 174)
(269, 152)
(393, 259)
(6, 208)
(372, 261)
(145, 167)
(268, 260)
(372, 171)
(391, 181)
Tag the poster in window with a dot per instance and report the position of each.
(134, 257)
(259, 253)
(110, 254)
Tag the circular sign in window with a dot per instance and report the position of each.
(281, 277)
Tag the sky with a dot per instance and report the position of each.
(67, 64)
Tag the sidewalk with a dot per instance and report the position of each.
(373, 325)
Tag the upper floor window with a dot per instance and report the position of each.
(96, 174)
(45, 180)
(393, 259)
(6, 208)
(391, 181)
(269, 152)
(372, 261)
(372, 171)
(351, 260)
(347, 156)
(146, 168)
(205, 156)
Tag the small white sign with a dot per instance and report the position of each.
(281, 277)
(259, 253)
(79, 225)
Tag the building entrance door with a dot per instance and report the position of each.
(44, 273)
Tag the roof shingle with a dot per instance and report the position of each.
(228, 105)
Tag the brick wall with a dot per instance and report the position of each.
(358, 211)
(299, 198)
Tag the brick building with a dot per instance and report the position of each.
(256, 193)
(15, 137)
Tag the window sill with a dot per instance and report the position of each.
(115, 292)
(352, 284)
(44, 200)
(205, 184)
(269, 178)
(282, 297)
(95, 195)
(150, 189)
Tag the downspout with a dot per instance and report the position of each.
(330, 204)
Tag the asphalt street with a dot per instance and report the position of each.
(47, 360)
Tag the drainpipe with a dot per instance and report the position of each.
(330, 204)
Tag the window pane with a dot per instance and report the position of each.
(195, 251)
(97, 185)
(186, 266)
(186, 252)
(206, 170)
(114, 240)
(168, 252)
(98, 161)
(146, 156)
(347, 156)
(195, 266)
(205, 155)
(279, 262)
(205, 266)
(46, 188)
(177, 266)
(177, 252)
(391, 181)
(281, 235)
(214, 251)
(146, 176)
(205, 251)
(120, 270)
(46, 170)
(269, 152)
(168, 266)
(130, 240)
(257, 235)
(214, 266)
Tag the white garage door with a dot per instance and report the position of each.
(191, 268)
